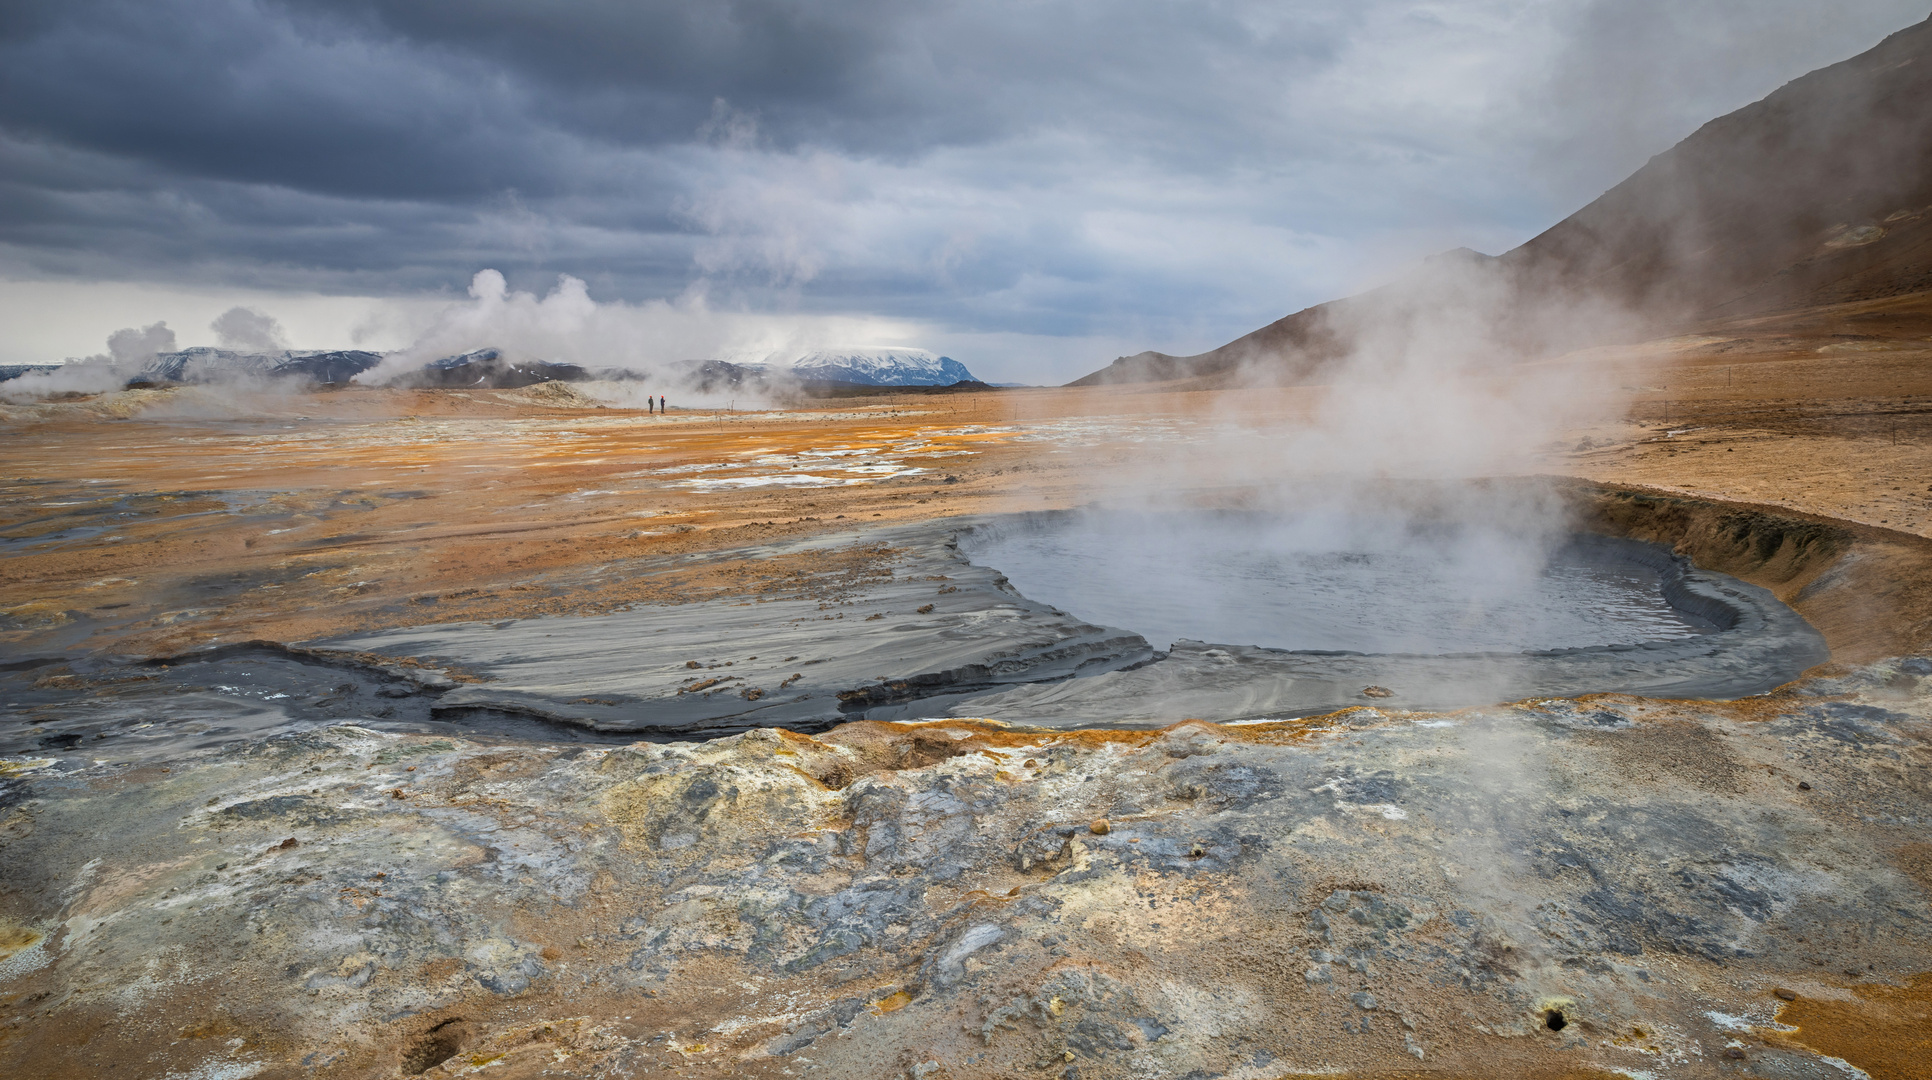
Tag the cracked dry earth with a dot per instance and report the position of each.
(1600, 886)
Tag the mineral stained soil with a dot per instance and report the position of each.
(292, 785)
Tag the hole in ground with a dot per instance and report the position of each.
(433, 1047)
(1554, 1020)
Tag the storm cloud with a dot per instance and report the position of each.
(1045, 178)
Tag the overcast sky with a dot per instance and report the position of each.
(1031, 186)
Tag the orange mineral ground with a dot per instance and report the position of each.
(160, 519)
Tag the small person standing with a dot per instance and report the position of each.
(650, 405)
(660, 403)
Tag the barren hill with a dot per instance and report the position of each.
(1820, 193)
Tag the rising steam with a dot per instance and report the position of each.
(247, 330)
(1414, 434)
(128, 351)
(657, 339)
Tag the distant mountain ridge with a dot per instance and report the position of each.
(873, 366)
(1819, 193)
(205, 364)
(492, 368)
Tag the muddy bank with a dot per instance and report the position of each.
(1758, 643)
(925, 629)
(932, 634)
(1867, 589)
(885, 623)
(1596, 885)
(130, 712)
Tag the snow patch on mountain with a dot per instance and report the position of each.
(876, 366)
(204, 364)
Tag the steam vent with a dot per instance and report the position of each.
(700, 650)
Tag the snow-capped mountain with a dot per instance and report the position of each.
(882, 366)
(491, 369)
(204, 363)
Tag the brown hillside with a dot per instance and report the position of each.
(1821, 193)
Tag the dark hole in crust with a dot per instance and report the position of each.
(433, 1047)
(1554, 1020)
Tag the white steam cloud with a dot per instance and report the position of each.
(128, 351)
(657, 339)
(247, 330)
(133, 347)
(1417, 439)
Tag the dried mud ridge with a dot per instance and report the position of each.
(1560, 887)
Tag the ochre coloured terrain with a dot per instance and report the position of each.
(296, 518)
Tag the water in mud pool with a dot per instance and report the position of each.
(1328, 584)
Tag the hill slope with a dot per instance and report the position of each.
(1820, 193)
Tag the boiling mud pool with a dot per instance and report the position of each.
(1331, 582)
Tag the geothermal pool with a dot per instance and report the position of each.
(1343, 581)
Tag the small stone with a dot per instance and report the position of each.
(1101, 827)
(692, 664)
(291, 842)
(1735, 1053)
(925, 609)
(1364, 1001)
(1377, 691)
(1803, 786)
(1784, 995)
(399, 794)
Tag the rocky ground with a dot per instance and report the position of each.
(1559, 887)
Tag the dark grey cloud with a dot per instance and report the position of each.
(240, 91)
(1048, 167)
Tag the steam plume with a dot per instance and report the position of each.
(247, 330)
(128, 351)
(656, 339)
